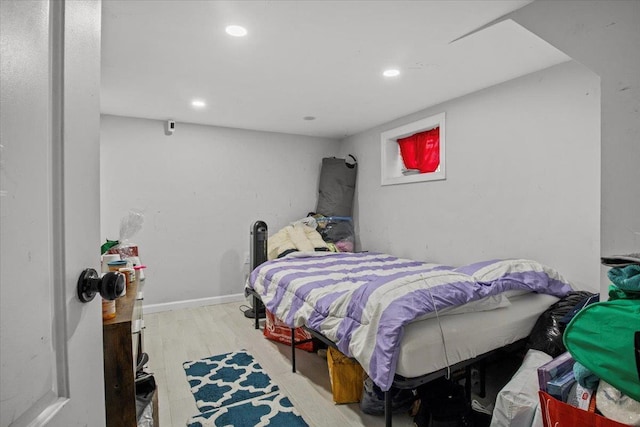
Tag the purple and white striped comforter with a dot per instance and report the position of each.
(362, 301)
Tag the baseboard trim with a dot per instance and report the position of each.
(191, 303)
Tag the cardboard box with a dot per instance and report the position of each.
(346, 376)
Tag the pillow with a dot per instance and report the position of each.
(518, 274)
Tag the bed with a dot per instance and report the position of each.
(405, 321)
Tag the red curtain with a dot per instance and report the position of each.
(421, 150)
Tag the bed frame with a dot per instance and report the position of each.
(400, 381)
(258, 245)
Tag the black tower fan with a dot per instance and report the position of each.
(257, 255)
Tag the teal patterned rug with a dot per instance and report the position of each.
(232, 389)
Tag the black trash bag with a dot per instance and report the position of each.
(546, 334)
(443, 403)
(372, 401)
(335, 228)
(339, 231)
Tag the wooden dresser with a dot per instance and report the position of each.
(122, 344)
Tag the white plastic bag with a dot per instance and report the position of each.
(129, 226)
(616, 405)
(517, 402)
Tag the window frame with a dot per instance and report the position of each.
(391, 160)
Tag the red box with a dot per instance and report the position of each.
(276, 330)
(124, 251)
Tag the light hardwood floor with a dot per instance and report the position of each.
(174, 337)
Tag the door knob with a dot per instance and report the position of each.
(110, 286)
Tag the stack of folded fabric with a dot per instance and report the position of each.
(624, 276)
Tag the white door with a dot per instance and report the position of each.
(51, 343)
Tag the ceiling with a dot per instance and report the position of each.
(306, 59)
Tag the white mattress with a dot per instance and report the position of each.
(467, 335)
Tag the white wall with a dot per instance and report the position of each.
(523, 179)
(200, 190)
(604, 36)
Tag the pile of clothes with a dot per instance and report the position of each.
(600, 342)
(314, 233)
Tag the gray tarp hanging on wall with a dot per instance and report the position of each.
(337, 186)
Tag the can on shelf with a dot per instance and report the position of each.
(108, 309)
(116, 265)
(129, 274)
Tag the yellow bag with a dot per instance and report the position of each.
(346, 376)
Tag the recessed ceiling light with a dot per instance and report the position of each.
(391, 73)
(198, 103)
(236, 31)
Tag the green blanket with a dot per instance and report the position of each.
(625, 282)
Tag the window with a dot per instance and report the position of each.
(414, 152)
(420, 152)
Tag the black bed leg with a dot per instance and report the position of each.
(256, 305)
(483, 379)
(388, 411)
(467, 382)
(293, 350)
